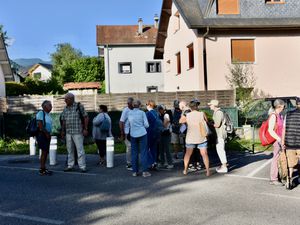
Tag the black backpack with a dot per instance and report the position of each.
(32, 128)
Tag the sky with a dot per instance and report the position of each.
(36, 26)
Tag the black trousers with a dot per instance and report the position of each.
(101, 145)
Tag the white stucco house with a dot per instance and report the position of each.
(198, 39)
(128, 56)
(5, 68)
(41, 71)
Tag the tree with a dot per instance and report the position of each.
(88, 69)
(241, 78)
(4, 33)
(62, 60)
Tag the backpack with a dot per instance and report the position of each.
(175, 121)
(32, 128)
(105, 125)
(228, 123)
(158, 126)
(264, 135)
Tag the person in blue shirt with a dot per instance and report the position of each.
(44, 124)
(138, 123)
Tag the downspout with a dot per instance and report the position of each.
(108, 70)
(205, 58)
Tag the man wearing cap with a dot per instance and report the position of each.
(291, 138)
(219, 125)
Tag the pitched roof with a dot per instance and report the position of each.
(82, 85)
(47, 66)
(4, 61)
(125, 35)
(254, 14)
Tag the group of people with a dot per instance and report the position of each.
(181, 126)
(145, 134)
(286, 131)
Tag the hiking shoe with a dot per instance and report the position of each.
(68, 169)
(170, 166)
(134, 174)
(129, 166)
(222, 169)
(276, 183)
(146, 174)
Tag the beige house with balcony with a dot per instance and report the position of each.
(199, 39)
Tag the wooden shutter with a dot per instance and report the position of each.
(242, 50)
(228, 7)
(191, 56)
(178, 63)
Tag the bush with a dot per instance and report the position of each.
(16, 89)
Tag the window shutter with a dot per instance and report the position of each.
(242, 50)
(228, 7)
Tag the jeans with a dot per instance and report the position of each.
(274, 163)
(152, 151)
(221, 150)
(164, 148)
(139, 144)
(77, 141)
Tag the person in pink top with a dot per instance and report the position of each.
(275, 129)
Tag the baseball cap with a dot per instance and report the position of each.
(213, 102)
(195, 101)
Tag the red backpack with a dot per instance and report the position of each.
(264, 135)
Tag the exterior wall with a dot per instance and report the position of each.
(45, 73)
(2, 83)
(138, 80)
(177, 41)
(276, 66)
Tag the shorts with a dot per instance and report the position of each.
(176, 138)
(43, 142)
(293, 156)
(201, 145)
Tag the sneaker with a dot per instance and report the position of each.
(161, 165)
(134, 174)
(191, 168)
(129, 166)
(83, 170)
(222, 169)
(170, 166)
(198, 166)
(68, 169)
(146, 174)
(276, 183)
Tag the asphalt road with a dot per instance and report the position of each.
(113, 196)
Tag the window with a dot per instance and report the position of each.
(152, 89)
(178, 63)
(242, 50)
(191, 55)
(125, 68)
(274, 1)
(37, 76)
(177, 21)
(153, 67)
(227, 7)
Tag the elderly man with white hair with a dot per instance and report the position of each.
(75, 127)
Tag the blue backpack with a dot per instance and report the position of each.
(158, 126)
(31, 128)
(105, 125)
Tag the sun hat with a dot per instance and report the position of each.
(214, 102)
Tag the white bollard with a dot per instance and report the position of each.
(32, 147)
(53, 151)
(110, 152)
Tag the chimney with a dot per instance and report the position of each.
(156, 21)
(140, 22)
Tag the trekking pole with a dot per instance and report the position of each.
(253, 139)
